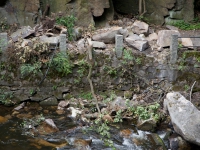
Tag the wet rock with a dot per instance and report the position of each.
(118, 104)
(147, 125)
(20, 106)
(38, 142)
(164, 37)
(44, 129)
(51, 123)
(3, 119)
(82, 144)
(184, 115)
(52, 101)
(178, 143)
(156, 141)
(140, 27)
(107, 35)
(125, 133)
(63, 104)
(22, 116)
(60, 111)
(22, 33)
(74, 112)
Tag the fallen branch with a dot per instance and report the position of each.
(90, 61)
(191, 90)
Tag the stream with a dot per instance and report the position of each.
(71, 135)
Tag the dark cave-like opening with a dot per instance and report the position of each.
(3, 3)
(197, 9)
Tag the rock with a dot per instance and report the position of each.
(118, 104)
(82, 144)
(147, 125)
(23, 32)
(100, 45)
(140, 27)
(187, 42)
(125, 133)
(139, 44)
(176, 142)
(164, 37)
(98, 7)
(52, 101)
(20, 106)
(107, 118)
(44, 128)
(74, 112)
(51, 123)
(124, 32)
(152, 37)
(51, 40)
(63, 104)
(2, 119)
(184, 115)
(27, 42)
(157, 141)
(81, 45)
(106, 36)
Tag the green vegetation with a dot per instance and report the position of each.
(186, 25)
(61, 64)
(5, 97)
(87, 95)
(68, 21)
(30, 69)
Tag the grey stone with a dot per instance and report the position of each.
(119, 45)
(50, 40)
(63, 44)
(173, 49)
(100, 45)
(138, 44)
(164, 37)
(184, 115)
(3, 41)
(107, 35)
(140, 27)
(52, 101)
(22, 33)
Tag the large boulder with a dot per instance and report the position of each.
(24, 12)
(164, 37)
(184, 115)
(106, 35)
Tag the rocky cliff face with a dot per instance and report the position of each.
(29, 12)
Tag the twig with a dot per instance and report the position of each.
(90, 47)
(191, 91)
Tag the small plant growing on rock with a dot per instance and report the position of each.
(68, 21)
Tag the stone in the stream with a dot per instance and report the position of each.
(2, 119)
(184, 115)
(125, 133)
(147, 125)
(82, 144)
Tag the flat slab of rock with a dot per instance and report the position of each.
(107, 36)
(136, 42)
(100, 45)
(164, 37)
(50, 40)
(22, 33)
(185, 117)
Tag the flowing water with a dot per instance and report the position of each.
(14, 137)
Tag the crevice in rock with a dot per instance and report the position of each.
(3, 3)
(197, 8)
